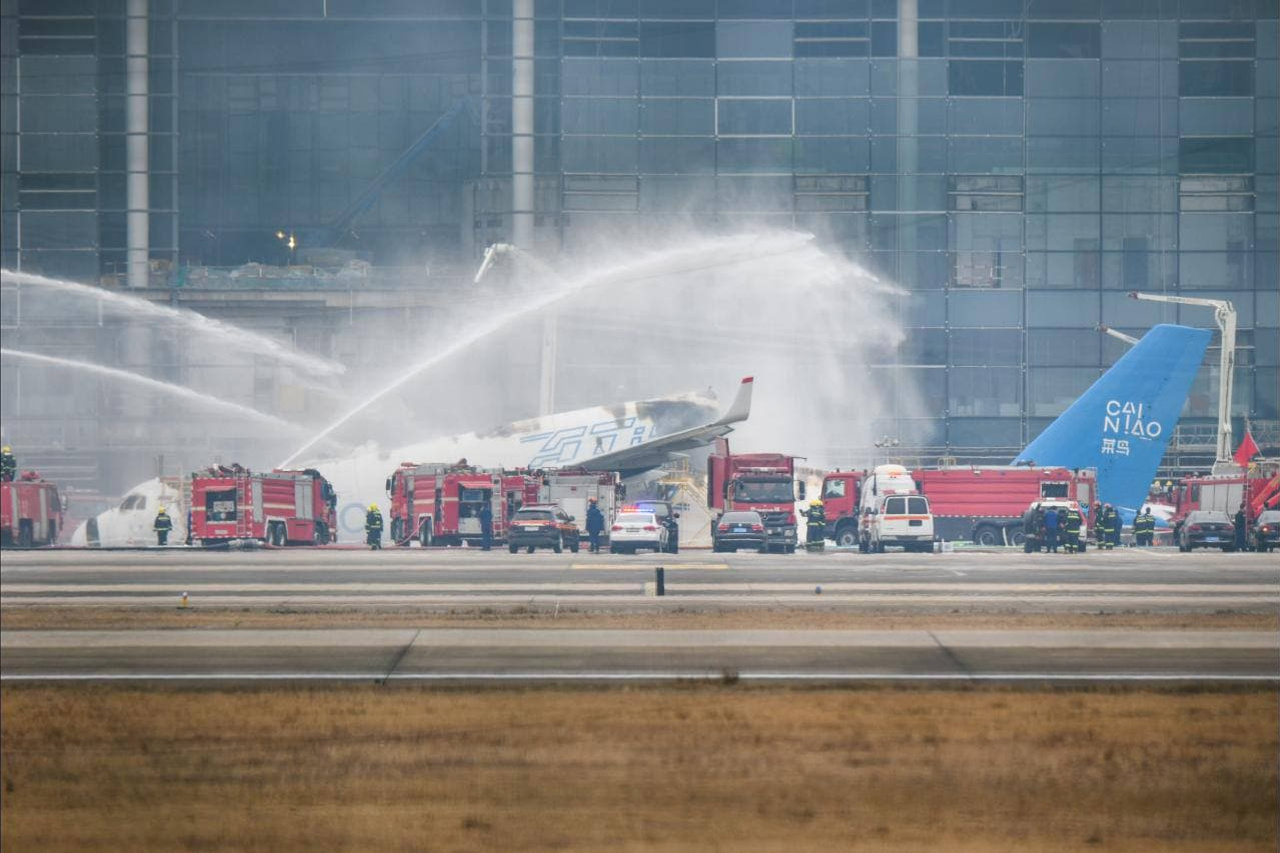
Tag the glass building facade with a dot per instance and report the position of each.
(1016, 166)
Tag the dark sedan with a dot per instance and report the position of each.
(1207, 529)
(740, 529)
(542, 527)
(1264, 535)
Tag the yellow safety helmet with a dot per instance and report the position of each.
(6, 449)
(372, 507)
(815, 502)
(160, 509)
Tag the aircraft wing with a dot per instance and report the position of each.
(650, 454)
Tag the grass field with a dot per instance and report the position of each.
(722, 767)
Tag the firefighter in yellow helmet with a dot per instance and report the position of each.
(8, 465)
(373, 528)
(163, 524)
(815, 528)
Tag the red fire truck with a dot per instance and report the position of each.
(572, 489)
(277, 508)
(1258, 489)
(439, 504)
(763, 482)
(30, 512)
(982, 504)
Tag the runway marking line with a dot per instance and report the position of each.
(676, 567)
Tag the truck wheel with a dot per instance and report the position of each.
(512, 548)
(25, 535)
(1015, 536)
(397, 530)
(574, 546)
(847, 536)
(986, 536)
(529, 550)
(556, 547)
(282, 537)
(424, 533)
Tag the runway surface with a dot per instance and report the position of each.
(1152, 580)
(320, 579)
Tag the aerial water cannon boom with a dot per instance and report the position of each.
(1225, 315)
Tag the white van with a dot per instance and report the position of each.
(903, 520)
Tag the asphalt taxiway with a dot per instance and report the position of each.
(320, 579)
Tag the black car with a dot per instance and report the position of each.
(542, 527)
(1264, 534)
(1207, 529)
(739, 529)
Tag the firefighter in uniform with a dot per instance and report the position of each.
(373, 528)
(1107, 520)
(8, 465)
(1144, 527)
(815, 529)
(163, 524)
(486, 526)
(1072, 527)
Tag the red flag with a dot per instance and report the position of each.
(1246, 451)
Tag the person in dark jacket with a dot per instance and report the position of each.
(163, 524)
(595, 525)
(8, 464)
(1144, 528)
(486, 526)
(1051, 530)
(1242, 526)
(373, 528)
(1031, 530)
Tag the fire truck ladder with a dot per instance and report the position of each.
(1225, 315)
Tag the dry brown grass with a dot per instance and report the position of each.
(679, 768)
(47, 618)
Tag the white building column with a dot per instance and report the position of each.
(137, 148)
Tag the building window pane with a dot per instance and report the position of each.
(984, 392)
(677, 39)
(1207, 78)
(1064, 41)
(753, 117)
(739, 39)
(980, 77)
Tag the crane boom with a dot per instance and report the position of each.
(1225, 315)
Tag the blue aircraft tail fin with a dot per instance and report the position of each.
(1122, 424)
